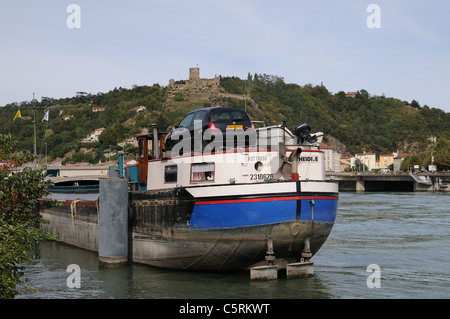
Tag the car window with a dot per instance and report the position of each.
(186, 121)
(200, 115)
(228, 115)
(238, 115)
(224, 116)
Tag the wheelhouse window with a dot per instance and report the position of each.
(202, 172)
(170, 173)
(141, 147)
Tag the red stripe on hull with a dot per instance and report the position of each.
(263, 199)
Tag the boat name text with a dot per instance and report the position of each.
(309, 159)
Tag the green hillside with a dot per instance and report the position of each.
(372, 123)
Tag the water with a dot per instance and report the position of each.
(406, 234)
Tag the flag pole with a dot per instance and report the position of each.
(34, 113)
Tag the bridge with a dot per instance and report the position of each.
(398, 182)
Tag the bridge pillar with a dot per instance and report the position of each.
(360, 186)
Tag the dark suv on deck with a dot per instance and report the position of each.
(232, 123)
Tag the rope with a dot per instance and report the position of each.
(73, 208)
(97, 206)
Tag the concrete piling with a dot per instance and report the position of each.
(300, 270)
(113, 221)
(267, 272)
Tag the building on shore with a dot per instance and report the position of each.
(399, 157)
(367, 159)
(386, 160)
(331, 158)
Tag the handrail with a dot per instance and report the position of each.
(417, 179)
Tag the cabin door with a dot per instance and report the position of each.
(143, 159)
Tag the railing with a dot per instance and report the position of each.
(420, 179)
(79, 188)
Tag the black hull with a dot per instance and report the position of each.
(226, 249)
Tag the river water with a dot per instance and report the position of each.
(405, 237)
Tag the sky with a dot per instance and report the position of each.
(395, 48)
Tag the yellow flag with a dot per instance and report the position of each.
(17, 115)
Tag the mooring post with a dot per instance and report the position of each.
(113, 221)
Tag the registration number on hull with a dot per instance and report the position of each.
(264, 177)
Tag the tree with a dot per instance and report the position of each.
(360, 166)
(442, 154)
(415, 104)
(409, 162)
(19, 222)
(362, 94)
(109, 137)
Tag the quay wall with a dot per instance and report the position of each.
(75, 232)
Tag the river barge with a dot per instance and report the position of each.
(233, 208)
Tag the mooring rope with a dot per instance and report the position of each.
(73, 208)
(97, 206)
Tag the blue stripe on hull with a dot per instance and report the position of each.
(254, 213)
(324, 210)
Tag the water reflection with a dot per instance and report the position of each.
(49, 276)
(406, 235)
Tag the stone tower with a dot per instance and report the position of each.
(194, 75)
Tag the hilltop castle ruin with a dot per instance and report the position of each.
(195, 83)
(197, 91)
